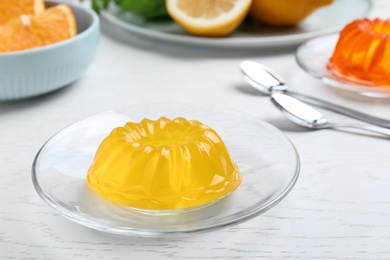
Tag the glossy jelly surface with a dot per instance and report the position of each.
(163, 165)
(362, 53)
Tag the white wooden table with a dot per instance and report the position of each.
(339, 208)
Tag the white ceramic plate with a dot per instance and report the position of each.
(313, 56)
(268, 162)
(325, 20)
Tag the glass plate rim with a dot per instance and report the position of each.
(129, 231)
(229, 42)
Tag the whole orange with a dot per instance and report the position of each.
(284, 12)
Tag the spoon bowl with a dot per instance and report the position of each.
(262, 78)
(266, 81)
(307, 116)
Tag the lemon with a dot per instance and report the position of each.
(208, 17)
(284, 12)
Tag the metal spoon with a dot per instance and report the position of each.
(307, 116)
(268, 82)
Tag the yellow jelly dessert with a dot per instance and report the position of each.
(163, 164)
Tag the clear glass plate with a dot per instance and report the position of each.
(247, 35)
(313, 56)
(268, 162)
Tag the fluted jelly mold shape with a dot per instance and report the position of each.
(362, 53)
(163, 164)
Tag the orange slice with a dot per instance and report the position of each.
(14, 8)
(208, 18)
(53, 25)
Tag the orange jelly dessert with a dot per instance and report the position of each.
(163, 165)
(362, 53)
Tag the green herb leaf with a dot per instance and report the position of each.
(150, 9)
(98, 4)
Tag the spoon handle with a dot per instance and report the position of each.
(367, 128)
(341, 110)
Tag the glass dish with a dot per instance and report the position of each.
(268, 162)
(313, 56)
(247, 35)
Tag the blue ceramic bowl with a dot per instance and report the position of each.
(41, 70)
